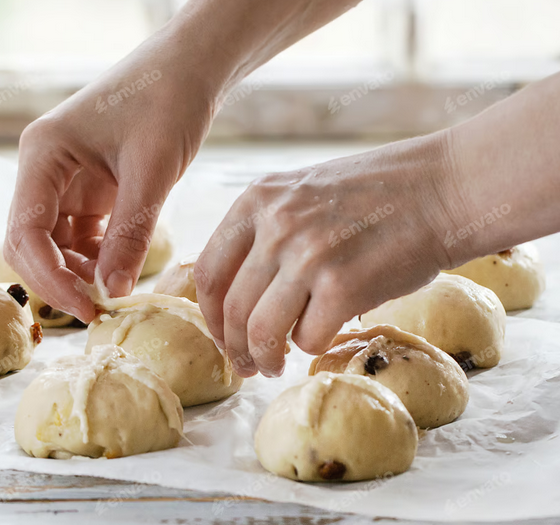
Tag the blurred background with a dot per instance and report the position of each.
(385, 70)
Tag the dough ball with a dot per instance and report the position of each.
(107, 404)
(454, 314)
(170, 336)
(516, 276)
(160, 252)
(336, 427)
(19, 335)
(178, 281)
(42, 313)
(50, 317)
(431, 385)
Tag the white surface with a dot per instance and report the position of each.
(500, 461)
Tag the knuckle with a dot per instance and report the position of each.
(137, 239)
(205, 283)
(235, 314)
(260, 335)
(310, 344)
(39, 130)
(333, 283)
(264, 182)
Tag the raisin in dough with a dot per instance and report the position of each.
(336, 427)
(178, 281)
(160, 252)
(516, 276)
(106, 404)
(169, 335)
(47, 316)
(429, 382)
(19, 335)
(453, 313)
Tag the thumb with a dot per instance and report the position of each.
(128, 236)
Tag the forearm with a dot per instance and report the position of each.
(509, 156)
(234, 37)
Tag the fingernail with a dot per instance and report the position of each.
(120, 283)
(272, 373)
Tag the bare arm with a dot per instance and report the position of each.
(104, 152)
(352, 233)
(509, 156)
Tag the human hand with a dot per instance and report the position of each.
(317, 246)
(116, 147)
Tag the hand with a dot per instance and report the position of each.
(97, 154)
(316, 247)
(117, 147)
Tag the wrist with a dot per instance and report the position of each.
(445, 208)
(207, 44)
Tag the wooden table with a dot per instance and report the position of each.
(27, 498)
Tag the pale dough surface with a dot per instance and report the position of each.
(107, 404)
(428, 381)
(516, 276)
(17, 343)
(172, 347)
(453, 313)
(160, 252)
(178, 281)
(336, 427)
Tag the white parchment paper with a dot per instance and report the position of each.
(499, 461)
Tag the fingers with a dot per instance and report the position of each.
(87, 234)
(29, 247)
(271, 320)
(129, 232)
(218, 265)
(39, 262)
(319, 323)
(251, 280)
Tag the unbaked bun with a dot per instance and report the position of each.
(336, 427)
(107, 404)
(178, 281)
(452, 313)
(160, 252)
(42, 313)
(429, 382)
(169, 335)
(516, 276)
(19, 335)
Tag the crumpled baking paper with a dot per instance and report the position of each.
(499, 461)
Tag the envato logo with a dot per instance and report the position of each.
(357, 227)
(468, 361)
(126, 493)
(243, 225)
(244, 90)
(469, 229)
(475, 92)
(13, 90)
(359, 92)
(27, 215)
(499, 480)
(220, 506)
(149, 347)
(140, 218)
(138, 85)
(242, 360)
(356, 495)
